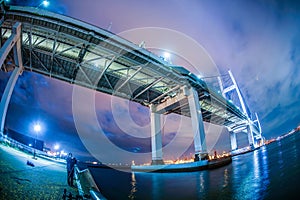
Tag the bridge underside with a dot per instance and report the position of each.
(79, 53)
(76, 52)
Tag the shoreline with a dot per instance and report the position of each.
(44, 179)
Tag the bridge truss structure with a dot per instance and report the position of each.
(79, 53)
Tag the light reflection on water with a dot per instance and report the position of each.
(133, 186)
(268, 173)
(226, 178)
(251, 175)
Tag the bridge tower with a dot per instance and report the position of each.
(252, 128)
(13, 42)
(187, 95)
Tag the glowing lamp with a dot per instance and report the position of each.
(46, 3)
(37, 128)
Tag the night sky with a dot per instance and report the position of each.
(258, 40)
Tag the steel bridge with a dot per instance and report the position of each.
(79, 53)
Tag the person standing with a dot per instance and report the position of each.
(71, 161)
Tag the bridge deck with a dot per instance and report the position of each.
(79, 53)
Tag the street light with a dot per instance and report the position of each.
(167, 57)
(44, 3)
(37, 128)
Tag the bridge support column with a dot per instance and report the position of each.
(7, 95)
(197, 124)
(14, 41)
(233, 141)
(250, 136)
(156, 137)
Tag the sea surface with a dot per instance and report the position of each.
(271, 172)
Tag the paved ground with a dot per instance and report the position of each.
(46, 180)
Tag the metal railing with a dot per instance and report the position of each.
(15, 144)
(86, 184)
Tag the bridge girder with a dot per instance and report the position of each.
(76, 52)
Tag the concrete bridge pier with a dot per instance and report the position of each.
(250, 136)
(197, 124)
(233, 140)
(13, 42)
(257, 137)
(156, 137)
(187, 96)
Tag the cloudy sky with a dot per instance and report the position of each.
(258, 40)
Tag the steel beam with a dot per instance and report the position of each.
(164, 94)
(104, 70)
(238, 93)
(9, 44)
(170, 104)
(15, 43)
(147, 88)
(128, 79)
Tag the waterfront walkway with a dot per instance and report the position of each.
(46, 180)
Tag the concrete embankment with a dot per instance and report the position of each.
(45, 180)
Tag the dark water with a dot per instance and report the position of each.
(272, 172)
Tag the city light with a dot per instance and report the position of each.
(63, 153)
